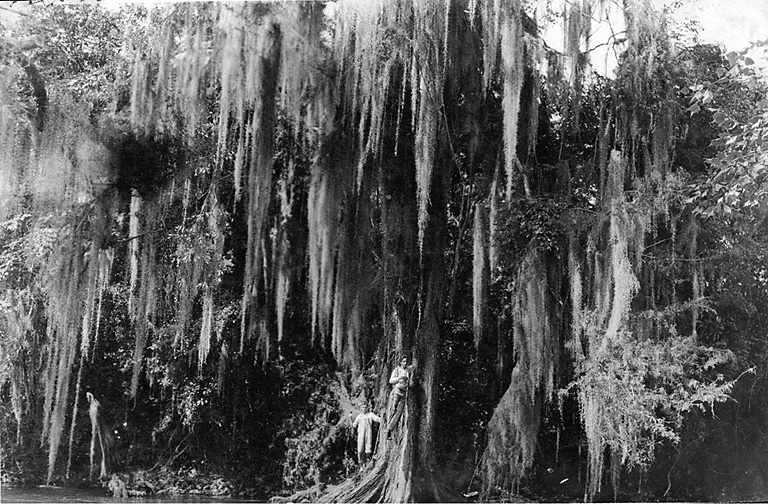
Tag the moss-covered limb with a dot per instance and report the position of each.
(37, 82)
(514, 428)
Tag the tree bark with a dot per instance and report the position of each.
(38, 87)
(404, 469)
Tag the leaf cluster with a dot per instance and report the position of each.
(733, 96)
(644, 391)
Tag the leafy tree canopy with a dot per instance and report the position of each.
(197, 197)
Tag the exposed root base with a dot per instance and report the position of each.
(308, 495)
(367, 486)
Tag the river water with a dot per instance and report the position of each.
(63, 494)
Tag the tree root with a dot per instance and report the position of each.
(366, 486)
(385, 480)
(307, 495)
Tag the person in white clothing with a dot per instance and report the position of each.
(364, 424)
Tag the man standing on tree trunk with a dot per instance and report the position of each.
(400, 381)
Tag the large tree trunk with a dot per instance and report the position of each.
(403, 470)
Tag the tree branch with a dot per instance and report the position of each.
(14, 11)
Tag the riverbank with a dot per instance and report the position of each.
(185, 484)
(49, 493)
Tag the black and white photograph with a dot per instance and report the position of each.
(383, 251)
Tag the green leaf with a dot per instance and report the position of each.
(718, 118)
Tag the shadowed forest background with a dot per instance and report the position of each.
(222, 224)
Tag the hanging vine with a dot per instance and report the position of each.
(365, 92)
(513, 429)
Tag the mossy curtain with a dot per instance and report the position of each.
(359, 91)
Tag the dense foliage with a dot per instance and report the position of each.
(226, 222)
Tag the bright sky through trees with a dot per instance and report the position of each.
(273, 171)
(732, 23)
